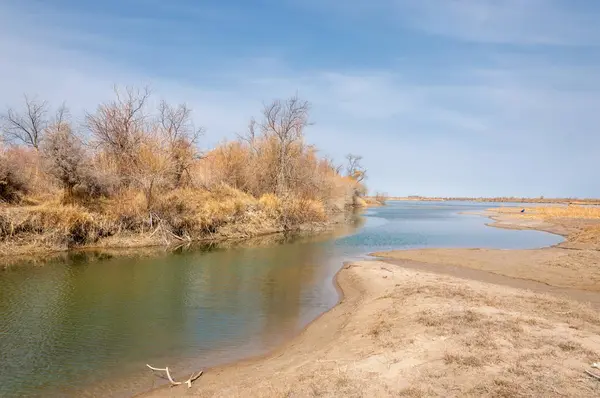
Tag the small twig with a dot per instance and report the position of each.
(387, 269)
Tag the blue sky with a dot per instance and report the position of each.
(441, 97)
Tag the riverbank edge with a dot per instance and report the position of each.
(139, 241)
(343, 283)
(341, 288)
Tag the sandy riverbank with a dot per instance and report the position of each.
(402, 332)
(405, 331)
(574, 263)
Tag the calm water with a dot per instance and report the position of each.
(86, 324)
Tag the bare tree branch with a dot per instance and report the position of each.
(354, 168)
(118, 126)
(28, 127)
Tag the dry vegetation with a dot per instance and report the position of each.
(505, 199)
(580, 224)
(132, 175)
(553, 212)
(400, 332)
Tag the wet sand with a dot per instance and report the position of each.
(454, 323)
(572, 265)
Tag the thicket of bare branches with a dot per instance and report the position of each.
(144, 162)
(182, 136)
(284, 123)
(354, 167)
(13, 177)
(117, 127)
(63, 155)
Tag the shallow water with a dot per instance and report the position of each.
(85, 324)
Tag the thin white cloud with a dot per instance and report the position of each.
(523, 22)
(470, 134)
(552, 22)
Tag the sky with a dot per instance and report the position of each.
(440, 97)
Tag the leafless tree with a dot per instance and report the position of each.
(285, 122)
(182, 137)
(26, 128)
(63, 154)
(118, 126)
(354, 168)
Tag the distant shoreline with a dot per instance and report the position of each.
(584, 201)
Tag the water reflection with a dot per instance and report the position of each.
(90, 317)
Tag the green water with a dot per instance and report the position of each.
(86, 324)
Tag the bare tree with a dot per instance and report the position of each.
(63, 154)
(28, 127)
(118, 126)
(285, 122)
(182, 137)
(354, 168)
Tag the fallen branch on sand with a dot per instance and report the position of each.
(597, 366)
(189, 381)
(595, 376)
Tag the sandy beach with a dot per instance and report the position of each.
(421, 323)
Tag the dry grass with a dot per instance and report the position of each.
(552, 212)
(581, 224)
(508, 199)
(182, 215)
(372, 201)
(589, 234)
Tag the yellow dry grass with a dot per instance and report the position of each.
(370, 201)
(181, 215)
(550, 212)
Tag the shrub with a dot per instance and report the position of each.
(13, 178)
(64, 158)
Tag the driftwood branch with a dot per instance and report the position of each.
(188, 382)
(595, 376)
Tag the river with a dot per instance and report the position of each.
(85, 324)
